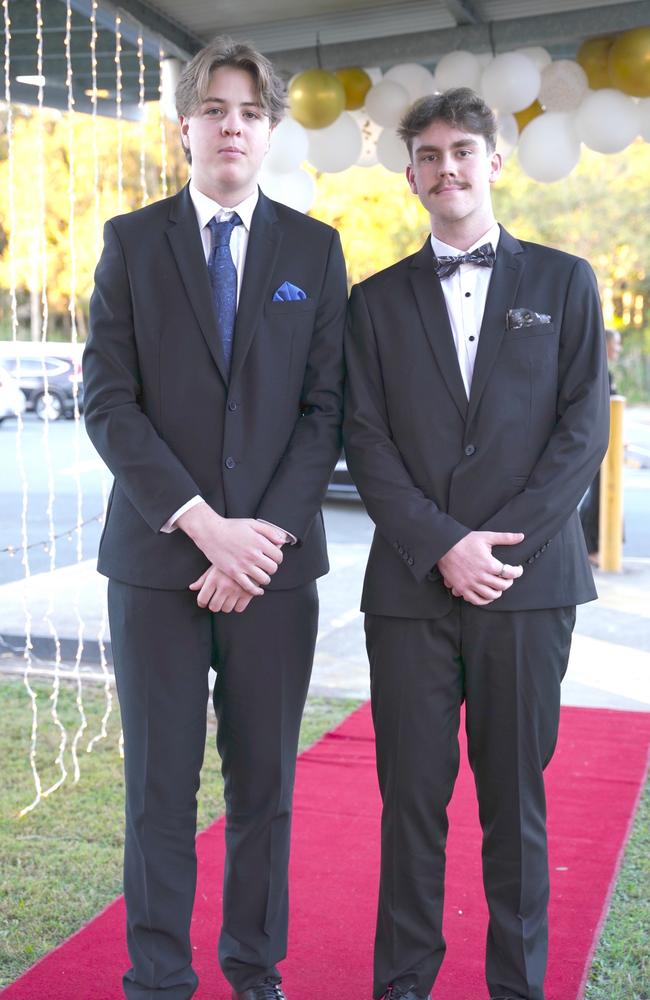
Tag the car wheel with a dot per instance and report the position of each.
(48, 406)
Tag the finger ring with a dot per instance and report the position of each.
(501, 571)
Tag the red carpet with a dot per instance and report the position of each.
(593, 785)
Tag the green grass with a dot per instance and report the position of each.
(61, 863)
(621, 966)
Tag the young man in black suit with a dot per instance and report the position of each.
(213, 390)
(476, 416)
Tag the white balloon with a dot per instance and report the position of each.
(391, 151)
(336, 147)
(297, 189)
(607, 120)
(370, 132)
(458, 69)
(537, 54)
(564, 86)
(289, 142)
(511, 82)
(643, 109)
(375, 73)
(416, 80)
(386, 102)
(549, 147)
(507, 133)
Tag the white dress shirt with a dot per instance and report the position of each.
(465, 293)
(207, 209)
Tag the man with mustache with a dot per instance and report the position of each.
(476, 416)
(213, 388)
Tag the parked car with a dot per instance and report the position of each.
(49, 375)
(12, 401)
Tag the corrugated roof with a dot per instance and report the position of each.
(336, 32)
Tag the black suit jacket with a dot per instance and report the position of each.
(432, 465)
(167, 420)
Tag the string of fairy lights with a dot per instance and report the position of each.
(118, 111)
(97, 230)
(72, 310)
(20, 458)
(163, 130)
(144, 194)
(69, 740)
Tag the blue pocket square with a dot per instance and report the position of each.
(288, 293)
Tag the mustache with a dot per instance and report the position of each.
(446, 184)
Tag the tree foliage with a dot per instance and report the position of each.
(43, 148)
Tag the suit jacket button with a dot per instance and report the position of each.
(232, 405)
(470, 449)
(230, 463)
(410, 560)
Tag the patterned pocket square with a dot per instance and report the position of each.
(288, 293)
(517, 319)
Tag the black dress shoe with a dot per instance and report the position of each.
(403, 993)
(267, 990)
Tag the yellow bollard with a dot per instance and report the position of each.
(610, 542)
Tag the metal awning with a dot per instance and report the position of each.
(333, 33)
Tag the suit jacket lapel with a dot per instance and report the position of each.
(435, 319)
(501, 294)
(185, 239)
(263, 246)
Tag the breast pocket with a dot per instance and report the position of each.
(532, 348)
(530, 332)
(297, 307)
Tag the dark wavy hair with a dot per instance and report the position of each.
(459, 106)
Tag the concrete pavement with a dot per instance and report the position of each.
(609, 664)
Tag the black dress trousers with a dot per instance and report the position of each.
(163, 647)
(507, 667)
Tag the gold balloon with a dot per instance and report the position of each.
(356, 84)
(629, 62)
(526, 115)
(592, 56)
(316, 98)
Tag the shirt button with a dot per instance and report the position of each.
(469, 449)
(232, 405)
(472, 338)
(230, 463)
(467, 295)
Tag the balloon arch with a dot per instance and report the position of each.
(545, 110)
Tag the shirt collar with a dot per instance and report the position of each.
(206, 208)
(441, 249)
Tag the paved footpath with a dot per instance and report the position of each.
(609, 664)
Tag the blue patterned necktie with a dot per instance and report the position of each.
(483, 256)
(223, 279)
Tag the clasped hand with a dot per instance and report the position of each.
(470, 570)
(244, 554)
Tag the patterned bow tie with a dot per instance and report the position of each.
(483, 256)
